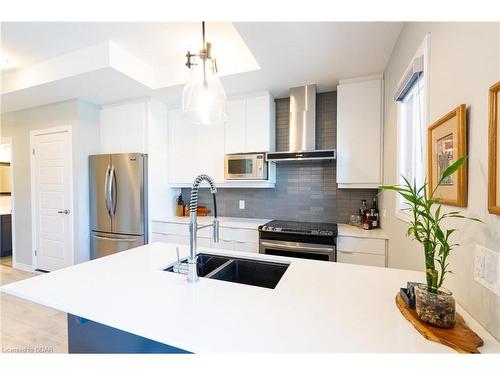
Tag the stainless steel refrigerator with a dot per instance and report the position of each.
(118, 203)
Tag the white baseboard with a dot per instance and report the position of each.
(22, 266)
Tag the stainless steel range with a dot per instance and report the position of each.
(299, 239)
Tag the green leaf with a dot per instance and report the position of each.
(393, 187)
(452, 168)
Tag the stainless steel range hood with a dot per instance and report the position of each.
(302, 143)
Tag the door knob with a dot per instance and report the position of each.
(66, 212)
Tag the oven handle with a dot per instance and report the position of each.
(297, 248)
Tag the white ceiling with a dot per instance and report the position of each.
(252, 56)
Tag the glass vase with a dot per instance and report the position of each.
(435, 307)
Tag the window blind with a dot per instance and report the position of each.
(411, 75)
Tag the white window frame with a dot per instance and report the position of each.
(424, 51)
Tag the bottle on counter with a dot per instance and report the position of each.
(375, 213)
(180, 206)
(363, 211)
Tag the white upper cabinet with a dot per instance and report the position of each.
(141, 126)
(197, 149)
(134, 127)
(260, 129)
(250, 125)
(123, 128)
(235, 129)
(180, 148)
(194, 150)
(359, 132)
(110, 129)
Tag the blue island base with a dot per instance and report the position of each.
(87, 336)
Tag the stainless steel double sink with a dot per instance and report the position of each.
(239, 270)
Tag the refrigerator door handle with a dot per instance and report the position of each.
(107, 194)
(112, 191)
(114, 239)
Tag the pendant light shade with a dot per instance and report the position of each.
(203, 97)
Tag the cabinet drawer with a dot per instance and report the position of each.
(247, 247)
(170, 238)
(361, 245)
(222, 244)
(360, 258)
(179, 229)
(203, 243)
(246, 235)
(170, 228)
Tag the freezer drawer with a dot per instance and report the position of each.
(102, 244)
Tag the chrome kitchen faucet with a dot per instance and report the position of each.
(191, 270)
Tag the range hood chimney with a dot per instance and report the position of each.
(302, 142)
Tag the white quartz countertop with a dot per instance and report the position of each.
(347, 230)
(316, 307)
(224, 221)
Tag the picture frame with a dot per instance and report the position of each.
(447, 142)
(494, 150)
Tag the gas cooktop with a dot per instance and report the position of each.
(300, 227)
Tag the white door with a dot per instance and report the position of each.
(52, 200)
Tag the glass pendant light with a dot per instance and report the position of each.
(203, 97)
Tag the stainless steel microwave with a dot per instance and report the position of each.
(245, 166)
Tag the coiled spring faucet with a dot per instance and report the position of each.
(192, 274)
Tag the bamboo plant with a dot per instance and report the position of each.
(427, 225)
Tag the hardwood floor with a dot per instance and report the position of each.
(26, 326)
(6, 261)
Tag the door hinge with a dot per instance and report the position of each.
(35, 252)
(33, 151)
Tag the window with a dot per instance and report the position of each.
(411, 98)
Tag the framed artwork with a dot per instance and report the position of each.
(494, 150)
(447, 142)
(5, 178)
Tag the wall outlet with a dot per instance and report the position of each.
(487, 268)
(242, 204)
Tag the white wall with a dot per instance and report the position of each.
(84, 120)
(5, 152)
(464, 63)
(85, 143)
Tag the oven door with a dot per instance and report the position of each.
(298, 250)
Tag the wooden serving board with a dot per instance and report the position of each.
(460, 338)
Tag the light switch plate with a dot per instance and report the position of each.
(242, 204)
(487, 268)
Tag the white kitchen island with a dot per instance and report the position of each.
(316, 307)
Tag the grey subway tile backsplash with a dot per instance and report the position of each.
(305, 191)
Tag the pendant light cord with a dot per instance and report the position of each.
(205, 83)
(203, 33)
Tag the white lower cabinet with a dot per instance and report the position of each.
(177, 239)
(246, 247)
(244, 240)
(360, 258)
(363, 251)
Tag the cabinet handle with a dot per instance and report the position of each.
(345, 252)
